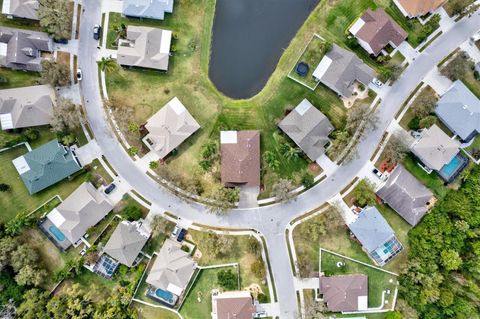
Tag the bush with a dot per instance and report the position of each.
(262, 298)
(31, 134)
(414, 124)
(307, 180)
(131, 213)
(427, 121)
(227, 279)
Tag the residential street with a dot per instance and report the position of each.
(269, 220)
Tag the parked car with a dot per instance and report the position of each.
(379, 174)
(61, 41)
(110, 188)
(96, 31)
(79, 75)
(377, 82)
(181, 235)
(175, 232)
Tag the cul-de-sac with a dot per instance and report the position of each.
(240, 159)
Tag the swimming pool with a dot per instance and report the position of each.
(164, 296)
(453, 168)
(57, 233)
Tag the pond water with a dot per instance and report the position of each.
(249, 36)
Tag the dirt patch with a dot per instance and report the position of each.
(254, 289)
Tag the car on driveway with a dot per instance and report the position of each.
(96, 31)
(110, 188)
(377, 82)
(79, 75)
(379, 174)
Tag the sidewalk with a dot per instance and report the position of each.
(437, 81)
(407, 51)
(327, 165)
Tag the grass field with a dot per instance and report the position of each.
(432, 180)
(13, 78)
(377, 279)
(198, 303)
(146, 312)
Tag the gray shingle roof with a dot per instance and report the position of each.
(169, 127)
(21, 49)
(340, 69)
(345, 292)
(26, 9)
(371, 229)
(172, 266)
(46, 165)
(26, 106)
(152, 9)
(406, 195)
(84, 208)
(308, 128)
(459, 109)
(435, 148)
(145, 47)
(126, 243)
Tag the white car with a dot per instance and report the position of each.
(79, 75)
(176, 231)
(377, 82)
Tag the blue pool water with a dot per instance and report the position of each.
(165, 295)
(450, 170)
(57, 233)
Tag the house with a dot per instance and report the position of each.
(171, 271)
(149, 9)
(406, 195)
(418, 8)
(233, 304)
(459, 110)
(345, 292)
(169, 127)
(46, 165)
(26, 106)
(145, 47)
(341, 69)
(24, 9)
(376, 236)
(308, 128)
(127, 242)
(375, 30)
(240, 158)
(22, 49)
(83, 209)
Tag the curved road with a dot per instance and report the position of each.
(269, 220)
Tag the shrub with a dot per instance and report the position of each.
(307, 180)
(131, 213)
(414, 124)
(262, 298)
(227, 279)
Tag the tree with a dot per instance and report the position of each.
(33, 305)
(397, 147)
(458, 6)
(133, 127)
(406, 311)
(66, 116)
(271, 160)
(223, 199)
(428, 121)
(364, 193)
(361, 115)
(131, 212)
(315, 310)
(55, 17)
(4, 187)
(15, 226)
(31, 134)
(258, 269)
(73, 303)
(153, 164)
(30, 276)
(458, 67)
(218, 245)
(158, 225)
(451, 259)
(23, 256)
(55, 74)
(107, 64)
(254, 246)
(395, 70)
(132, 151)
(424, 103)
(282, 190)
(7, 246)
(290, 152)
(69, 139)
(227, 279)
(307, 180)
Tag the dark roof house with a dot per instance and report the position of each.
(459, 110)
(151, 9)
(24, 9)
(22, 49)
(376, 236)
(340, 69)
(46, 165)
(406, 195)
(308, 128)
(233, 305)
(240, 158)
(417, 8)
(375, 30)
(345, 293)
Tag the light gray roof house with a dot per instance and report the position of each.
(376, 236)
(26, 9)
(126, 242)
(26, 106)
(172, 268)
(308, 128)
(151, 9)
(459, 110)
(345, 292)
(169, 127)
(435, 148)
(406, 195)
(22, 49)
(84, 208)
(339, 69)
(145, 48)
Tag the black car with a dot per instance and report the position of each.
(181, 235)
(110, 188)
(96, 32)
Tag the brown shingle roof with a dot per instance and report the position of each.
(341, 293)
(238, 306)
(416, 8)
(240, 153)
(379, 30)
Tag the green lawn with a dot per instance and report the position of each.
(398, 57)
(432, 180)
(312, 56)
(14, 78)
(198, 303)
(474, 147)
(408, 117)
(469, 80)
(377, 279)
(18, 199)
(146, 312)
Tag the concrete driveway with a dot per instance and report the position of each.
(248, 196)
(87, 153)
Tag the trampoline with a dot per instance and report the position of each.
(302, 69)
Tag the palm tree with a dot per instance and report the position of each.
(107, 64)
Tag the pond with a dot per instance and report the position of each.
(249, 36)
